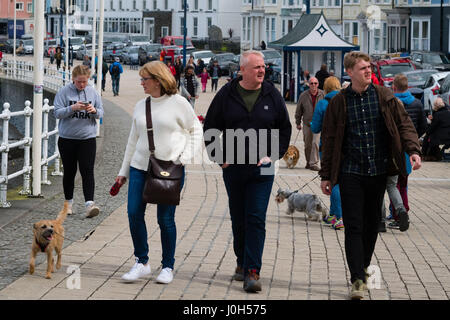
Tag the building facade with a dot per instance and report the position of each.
(24, 18)
(419, 25)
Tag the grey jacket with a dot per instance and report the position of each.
(78, 125)
(305, 108)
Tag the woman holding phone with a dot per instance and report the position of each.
(77, 106)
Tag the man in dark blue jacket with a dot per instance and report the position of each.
(252, 116)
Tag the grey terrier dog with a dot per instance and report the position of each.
(308, 203)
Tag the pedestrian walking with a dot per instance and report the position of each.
(364, 134)
(171, 68)
(215, 72)
(115, 69)
(438, 132)
(322, 75)
(177, 137)
(396, 185)
(331, 88)
(52, 55)
(179, 70)
(251, 106)
(77, 106)
(58, 57)
(189, 85)
(204, 76)
(304, 112)
(86, 61)
(105, 69)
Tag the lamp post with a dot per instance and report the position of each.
(94, 35)
(38, 88)
(14, 45)
(184, 33)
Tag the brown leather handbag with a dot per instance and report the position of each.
(163, 182)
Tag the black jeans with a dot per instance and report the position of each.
(214, 84)
(248, 188)
(73, 153)
(361, 198)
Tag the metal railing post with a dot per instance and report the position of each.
(5, 149)
(26, 162)
(44, 162)
(57, 170)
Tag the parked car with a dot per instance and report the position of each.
(130, 55)
(234, 65)
(76, 43)
(85, 50)
(177, 41)
(386, 69)
(7, 46)
(149, 52)
(28, 46)
(205, 55)
(276, 73)
(416, 81)
(444, 90)
(138, 40)
(224, 60)
(271, 56)
(431, 89)
(113, 50)
(430, 60)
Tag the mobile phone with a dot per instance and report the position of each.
(86, 103)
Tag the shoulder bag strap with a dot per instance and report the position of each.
(148, 114)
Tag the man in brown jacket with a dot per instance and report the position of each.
(365, 133)
(305, 110)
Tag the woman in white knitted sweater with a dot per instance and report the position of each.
(178, 136)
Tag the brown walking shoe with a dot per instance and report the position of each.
(238, 274)
(251, 282)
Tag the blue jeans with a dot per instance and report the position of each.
(335, 202)
(138, 229)
(115, 84)
(335, 198)
(248, 197)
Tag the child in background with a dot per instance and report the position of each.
(204, 79)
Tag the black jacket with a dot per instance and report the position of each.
(228, 111)
(439, 130)
(417, 115)
(322, 75)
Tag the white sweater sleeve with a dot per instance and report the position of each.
(195, 135)
(129, 151)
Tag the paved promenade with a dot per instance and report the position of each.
(302, 259)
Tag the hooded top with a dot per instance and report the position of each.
(78, 125)
(415, 111)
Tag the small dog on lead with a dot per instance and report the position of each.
(291, 156)
(308, 203)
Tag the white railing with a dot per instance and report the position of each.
(25, 142)
(23, 70)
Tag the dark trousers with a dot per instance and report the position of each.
(78, 153)
(361, 198)
(248, 197)
(115, 84)
(214, 83)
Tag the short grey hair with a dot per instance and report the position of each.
(244, 56)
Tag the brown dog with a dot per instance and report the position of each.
(291, 156)
(48, 236)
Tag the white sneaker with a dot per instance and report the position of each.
(165, 276)
(92, 211)
(137, 271)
